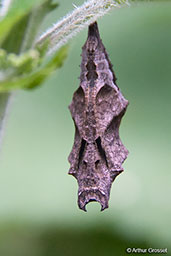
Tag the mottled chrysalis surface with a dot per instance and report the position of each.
(96, 108)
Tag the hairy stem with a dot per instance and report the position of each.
(75, 21)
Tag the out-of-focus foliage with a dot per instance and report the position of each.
(27, 69)
(17, 18)
(25, 72)
(21, 66)
(18, 10)
(23, 32)
(51, 241)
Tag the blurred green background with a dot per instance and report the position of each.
(38, 200)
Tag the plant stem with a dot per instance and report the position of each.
(4, 103)
(32, 22)
(73, 22)
(4, 97)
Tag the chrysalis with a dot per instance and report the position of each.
(96, 108)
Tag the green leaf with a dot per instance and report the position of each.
(18, 9)
(7, 24)
(35, 21)
(21, 24)
(32, 80)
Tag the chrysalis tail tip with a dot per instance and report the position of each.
(93, 30)
(88, 196)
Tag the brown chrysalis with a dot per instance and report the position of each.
(96, 108)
